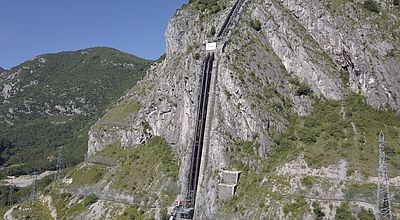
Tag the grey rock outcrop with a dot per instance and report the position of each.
(357, 43)
(257, 80)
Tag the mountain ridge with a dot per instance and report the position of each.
(57, 90)
(299, 93)
(78, 50)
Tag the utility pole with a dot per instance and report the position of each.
(383, 199)
(34, 186)
(59, 166)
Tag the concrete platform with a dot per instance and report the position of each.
(227, 186)
(226, 191)
(230, 177)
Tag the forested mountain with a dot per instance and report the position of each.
(279, 119)
(51, 100)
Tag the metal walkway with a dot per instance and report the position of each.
(200, 128)
(203, 98)
(230, 20)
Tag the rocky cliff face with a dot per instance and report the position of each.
(283, 58)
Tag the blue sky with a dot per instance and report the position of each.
(32, 27)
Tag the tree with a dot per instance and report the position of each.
(372, 6)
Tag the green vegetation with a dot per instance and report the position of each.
(196, 56)
(161, 58)
(335, 5)
(143, 167)
(20, 194)
(360, 191)
(242, 153)
(255, 24)
(90, 199)
(121, 111)
(345, 129)
(298, 205)
(343, 212)
(372, 5)
(32, 210)
(243, 156)
(335, 130)
(134, 212)
(308, 181)
(17, 194)
(66, 209)
(66, 205)
(146, 125)
(209, 6)
(301, 88)
(366, 215)
(3, 210)
(148, 173)
(317, 210)
(86, 175)
(212, 32)
(90, 80)
(304, 89)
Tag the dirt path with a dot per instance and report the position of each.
(26, 180)
(8, 216)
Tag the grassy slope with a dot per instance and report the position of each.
(148, 173)
(32, 210)
(38, 209)
(324, 137)
(67, 209)
(149, 163)
(120, 112)
(96, 75)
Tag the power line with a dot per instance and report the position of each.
(383, 199)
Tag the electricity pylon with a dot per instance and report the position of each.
(10, 195)
(383, 200)
(59, 166)
(34, 186)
